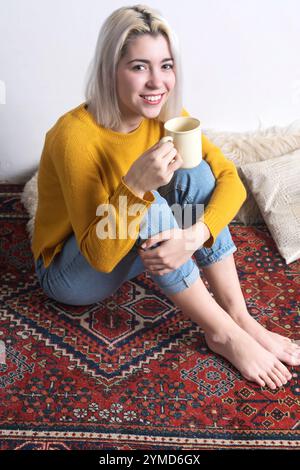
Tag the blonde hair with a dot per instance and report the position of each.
(121, 27)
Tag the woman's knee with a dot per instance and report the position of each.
(195, 184)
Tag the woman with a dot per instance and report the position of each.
(106, 153)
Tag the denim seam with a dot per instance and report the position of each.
(66, 268)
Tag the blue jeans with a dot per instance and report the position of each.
(70, 279)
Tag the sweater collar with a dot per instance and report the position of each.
(117, 137)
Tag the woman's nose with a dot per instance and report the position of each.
(155, 79)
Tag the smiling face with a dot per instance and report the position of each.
(137, 79)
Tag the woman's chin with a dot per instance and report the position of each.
(154, 112)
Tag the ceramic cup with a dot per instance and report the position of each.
(186, 135)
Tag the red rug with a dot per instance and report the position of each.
(131, 372)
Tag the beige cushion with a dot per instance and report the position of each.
(254, 146)
(275, 185)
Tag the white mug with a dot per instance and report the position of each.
(186, 134)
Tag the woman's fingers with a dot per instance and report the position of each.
(151, 260)
(160, 272)
(151, 263)
(175, 163)
(149, 255)
(165, 149)
(156, 267)
(171, 157)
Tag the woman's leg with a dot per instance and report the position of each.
(226, 338)
(218, 266)
(223, 335)
(76, 283)
(70, 279)
(224, 282)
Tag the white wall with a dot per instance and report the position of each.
(241, 62)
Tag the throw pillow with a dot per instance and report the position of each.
(276, 189)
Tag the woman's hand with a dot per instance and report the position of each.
(176, 247)
(154, 168)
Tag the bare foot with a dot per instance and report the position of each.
(253, 361)
(283, 348)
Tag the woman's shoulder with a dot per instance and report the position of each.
(69, 138)
(69, 126)
(69, 117)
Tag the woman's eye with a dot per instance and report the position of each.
(136, 67)
(170, 66)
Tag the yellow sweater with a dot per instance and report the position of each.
(82, 166)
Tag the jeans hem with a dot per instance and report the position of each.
(184, 283)
(217, 256)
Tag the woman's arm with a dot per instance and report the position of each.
(229, 193)
(101, 222)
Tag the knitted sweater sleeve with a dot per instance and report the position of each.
(105, 225)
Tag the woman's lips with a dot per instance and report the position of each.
(153, 102)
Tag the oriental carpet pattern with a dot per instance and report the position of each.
(132, 372)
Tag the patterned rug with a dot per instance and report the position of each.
(131, 372)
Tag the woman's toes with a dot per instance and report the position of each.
(282, 378)
(268, 381)
(292, 347)
(284, 338)
(276, 378)
(283, 369)
(260, 382)
(296, 350)
(289, 340)
(292, 357)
